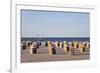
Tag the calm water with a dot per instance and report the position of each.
(56, 39)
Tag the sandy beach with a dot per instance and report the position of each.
(61, 36)
(43, 56)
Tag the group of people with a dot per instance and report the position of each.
(69, 47)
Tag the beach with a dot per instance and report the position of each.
(43, 56)
(54, 36)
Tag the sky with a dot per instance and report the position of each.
(54, 24)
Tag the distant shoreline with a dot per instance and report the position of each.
(55, 39)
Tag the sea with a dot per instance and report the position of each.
(60, 39)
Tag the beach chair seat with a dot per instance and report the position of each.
(34, 51)
(53, 51)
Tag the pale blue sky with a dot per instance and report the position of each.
(54, 24)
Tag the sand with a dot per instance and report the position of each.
(43, 56)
